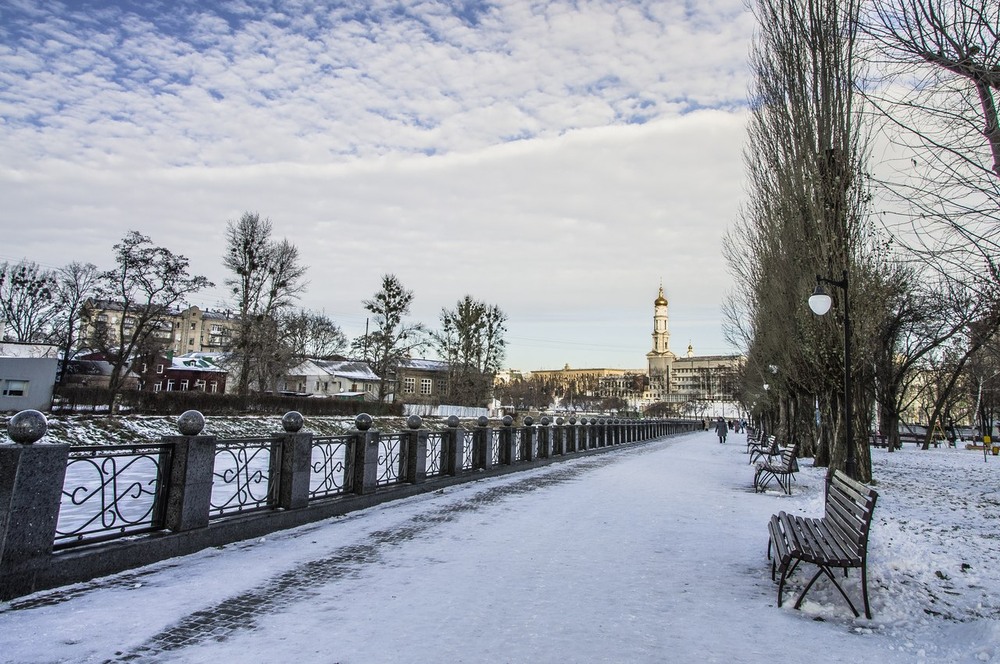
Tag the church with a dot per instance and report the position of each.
(689, 385)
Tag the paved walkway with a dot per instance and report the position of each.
(649, 553)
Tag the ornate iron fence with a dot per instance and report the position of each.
(111, 491)
(390, 458)
(331, 465)
(435, 447)
(243, 476)
(495, 447)
(467, 445)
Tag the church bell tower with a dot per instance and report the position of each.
(660, 358)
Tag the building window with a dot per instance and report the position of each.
(184, 385)
(191, 341)
(170, 385)
(156, 387)
(369, 387)
(193, 325)
(15, 388)
(213, 387)
(199, 385)
(409, 385)
(425, 385)
(159, 368)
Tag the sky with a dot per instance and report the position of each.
(559, 564)
(558, 159)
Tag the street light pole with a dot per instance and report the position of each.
(820, 303)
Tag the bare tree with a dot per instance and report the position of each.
(806, 215)
(27, 301)
(393, 339)
(147, 282)
(75, 283)
(471, 342)
(941, 65)
(267, 279)
(311, 334)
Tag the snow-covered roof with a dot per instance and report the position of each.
(181, 363)
(424, 365)
(19, 350)
(349, 369)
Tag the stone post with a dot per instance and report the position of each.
(189, 494)
(31, 484)
(482, 440)
(416, 451)
(545, 438)
(559, 437)
(507, 441)
(365, 461)
(528, 439)
(292, 462)
(452, 447)
(572, 435)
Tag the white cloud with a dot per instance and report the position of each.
(540, 196)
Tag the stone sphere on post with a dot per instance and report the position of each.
(560, 421)
(27, 427)
(413, 422)
(545, 421)
(507, 421)
(482, 421)
(292, 421)
(528, 420)
(572, 419)
(191, 423)
(363, 422)
(452, 421)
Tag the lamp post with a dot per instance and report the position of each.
(820, 303)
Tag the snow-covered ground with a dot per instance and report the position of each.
(653, 553)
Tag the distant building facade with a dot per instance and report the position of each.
(27, 375)
(685, 384)
(191, 330)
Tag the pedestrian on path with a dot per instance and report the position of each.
(722, 429)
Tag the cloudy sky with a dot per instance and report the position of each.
(556, 158)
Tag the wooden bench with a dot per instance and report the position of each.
(783, 470)
(764, 449)
(838, 539)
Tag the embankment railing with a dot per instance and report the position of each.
(72, 513)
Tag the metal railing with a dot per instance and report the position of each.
(242, 476)
(112, 491)
(331, 467)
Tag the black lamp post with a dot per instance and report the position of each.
(820, 303)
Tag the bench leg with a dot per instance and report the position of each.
(823, 569)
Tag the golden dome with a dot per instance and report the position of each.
(660, 301)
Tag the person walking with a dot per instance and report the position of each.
(721, 428)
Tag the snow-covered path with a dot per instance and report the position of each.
(652, 553)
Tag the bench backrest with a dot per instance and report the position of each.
(849, 508)
(788, 458)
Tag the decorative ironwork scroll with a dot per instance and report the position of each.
(112, 491)
(242, 476)
(390, 458)
(435, 444)
(467, 445)
(495, 447)
(331, 466)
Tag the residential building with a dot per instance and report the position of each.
(179, 331)
(181, 373)
(199, 330)
(420, 381)
(346, 379)
(27, 375)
